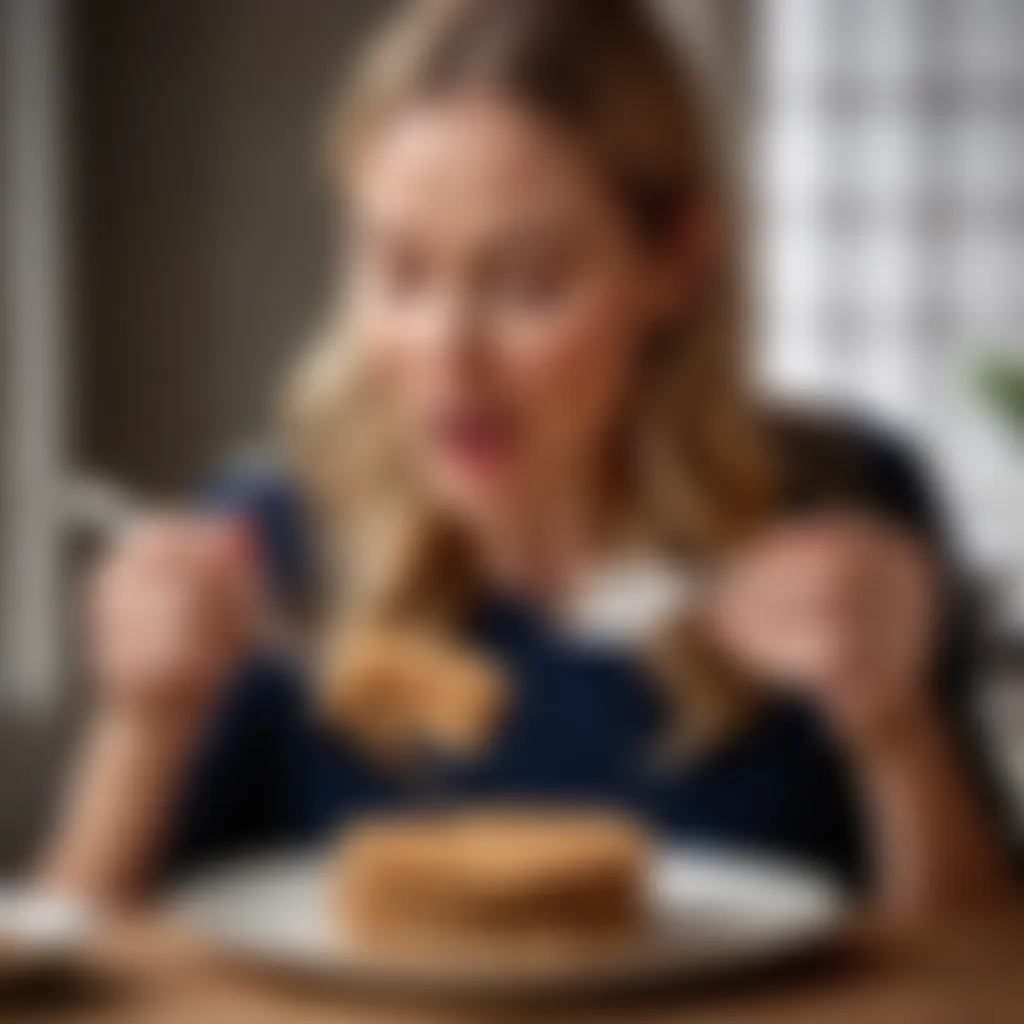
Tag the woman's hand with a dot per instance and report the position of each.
(846, 609)
(168, 612)
(843, 607)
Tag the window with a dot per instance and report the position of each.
(889, 164)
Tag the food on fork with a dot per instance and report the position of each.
(400, 695)
(492, 880)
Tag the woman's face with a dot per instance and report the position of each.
(502, 299)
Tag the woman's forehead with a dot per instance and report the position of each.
(471, 162)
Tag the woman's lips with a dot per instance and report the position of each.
(476, 441)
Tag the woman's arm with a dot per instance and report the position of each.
(117, 810)
(934, 846)
(170, 611)
(847, 608)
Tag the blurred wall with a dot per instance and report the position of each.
(201, 241)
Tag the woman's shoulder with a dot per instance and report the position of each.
(263, 489)
(839, 459)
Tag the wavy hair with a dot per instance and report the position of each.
(697, 476)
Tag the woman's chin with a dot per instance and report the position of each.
(477, 498)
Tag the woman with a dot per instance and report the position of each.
(540, 384)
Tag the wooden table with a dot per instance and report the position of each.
(142, 973)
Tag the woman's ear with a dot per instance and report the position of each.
(684, 261)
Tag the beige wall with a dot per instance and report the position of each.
(201, 241)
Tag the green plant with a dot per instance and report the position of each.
(1001, 384)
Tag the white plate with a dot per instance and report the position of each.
(711, 913)
(41, 931)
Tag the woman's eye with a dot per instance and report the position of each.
(393, 274)
(402, 276)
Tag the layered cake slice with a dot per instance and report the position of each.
(492, 880)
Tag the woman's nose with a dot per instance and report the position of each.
(451, 329)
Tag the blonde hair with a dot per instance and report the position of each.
(698, 474)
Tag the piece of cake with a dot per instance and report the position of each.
(485, 881)
(399, 695)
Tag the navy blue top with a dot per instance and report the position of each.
(582, 728)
